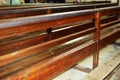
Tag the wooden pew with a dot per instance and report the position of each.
(38, 11)
(49, 44)
(51, 57)
(7, 43)
(36, 37)
(47, 10)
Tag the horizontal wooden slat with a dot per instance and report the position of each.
(110, 24)
(43, 74)
(33, 59)
(8, 45)
(57, 52)
(14, 45)
(110, 38)
(35, 49)
(14, 28)
(69, 58)
(19, 21)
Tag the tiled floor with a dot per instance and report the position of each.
(105, 53)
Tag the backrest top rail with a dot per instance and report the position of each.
(45, 8)
(6, 23)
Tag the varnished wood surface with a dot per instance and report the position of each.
(7, 44)
(47, 51)
(40, 10)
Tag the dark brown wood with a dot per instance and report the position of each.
(16, 44)
(44, 60)
(107, 11)
(66, 58)
(97, 39)
(14, 67)
(30, 25)
(110, 24)
(7, 46)
(109, 19)
(46, 10)
(110, 38)
(35, 49)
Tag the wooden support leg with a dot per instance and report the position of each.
(97, 39)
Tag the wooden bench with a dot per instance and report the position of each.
(40, 10)
(34, 34)
(48, 54)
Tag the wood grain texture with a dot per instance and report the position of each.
(41, 47)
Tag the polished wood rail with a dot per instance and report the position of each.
(40, 10)
(40, 47)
